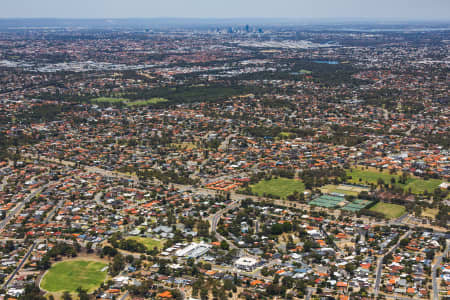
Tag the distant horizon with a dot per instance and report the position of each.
(230, 9)
(371, 19)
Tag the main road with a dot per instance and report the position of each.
(234, 196)
(214, 220)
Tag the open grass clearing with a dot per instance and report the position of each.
(391, 211)
(146, 102)
(286, 134)
(149, 243)
(331, 188)
(430, 212)
(184, 145)
(72, 274)
(279, 187)
(109, 100)
(417, 185)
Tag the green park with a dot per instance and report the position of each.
(73, 274)
(278, 187)
(417, 185)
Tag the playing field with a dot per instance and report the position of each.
(128, 102)
(417, 185)
(149, 243)
(285, 134)
(343, 189)
(279, 187)
(109, 100)
(146, 102)
(72, 274)
(391, 211)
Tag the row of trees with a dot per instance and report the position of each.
(56, 252)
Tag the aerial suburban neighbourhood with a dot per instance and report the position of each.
(224, 160)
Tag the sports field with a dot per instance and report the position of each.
(149, 243)
(279, 187)
(417, 185)
(391, 211)
(344, 189)
(72, 274)
(285, 134)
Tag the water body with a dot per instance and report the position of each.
(328, 62)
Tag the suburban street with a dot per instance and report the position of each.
(21, 264)
(36, 242)
(434, 271)
(20, 206)
(380, 263)
(233, 195)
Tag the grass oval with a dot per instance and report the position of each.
(72, 274)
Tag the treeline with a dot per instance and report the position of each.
(439, 139)
(327, 74)
(117, 241)
(43, 113)
(14, 141)
(344, 135)
(443, 216)
(167, 177)
(346, 140)
(320, 177)
(58, 250)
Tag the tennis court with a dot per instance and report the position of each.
(332, 201)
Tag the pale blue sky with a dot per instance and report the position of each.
(386, 9)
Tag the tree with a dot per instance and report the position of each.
(31, 293)
(130, 259)
(228, 284)
(204, 294)
(404, 242)
(117, 265)
(277, 229)
(82, 294)
(224, 245)
(67, 296)
(89, 247)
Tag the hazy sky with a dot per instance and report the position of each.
(387, 9)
